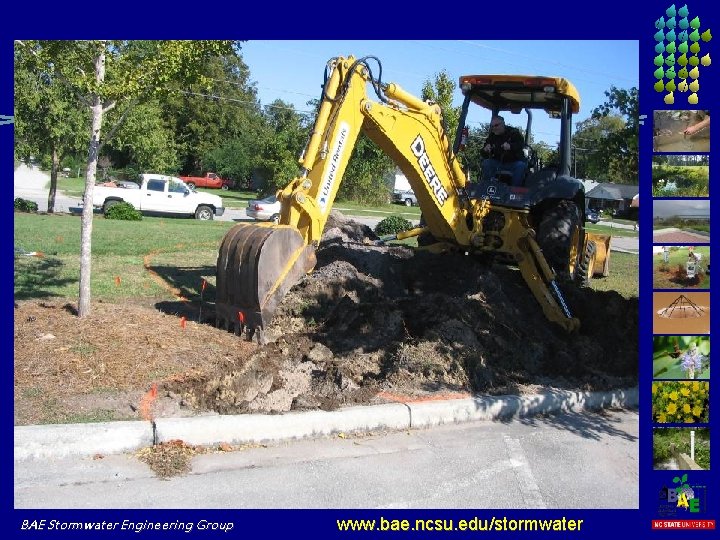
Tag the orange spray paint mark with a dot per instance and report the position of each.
(117, 281)
(182, 322)
(241, 317)
(203, 285)
(146, 403)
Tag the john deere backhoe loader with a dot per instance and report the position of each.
(539, 223)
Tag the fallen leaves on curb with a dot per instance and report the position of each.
(171, 458)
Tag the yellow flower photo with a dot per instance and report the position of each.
(681, 402)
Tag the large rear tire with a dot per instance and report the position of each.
(559, 238)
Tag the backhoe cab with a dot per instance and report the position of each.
(531, 226)
(555, 200)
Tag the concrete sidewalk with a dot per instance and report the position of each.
(56, 441)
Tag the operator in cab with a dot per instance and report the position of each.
(503, 150)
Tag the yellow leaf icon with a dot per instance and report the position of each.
(705, 60)
(693, 99)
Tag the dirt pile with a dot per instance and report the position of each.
(375, 322)
(370, 324)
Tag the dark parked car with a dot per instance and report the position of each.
(592, 216)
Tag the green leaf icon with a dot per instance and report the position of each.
(659, 86)
(660, 47)
(695, 48)
(670, 23)
(659, 35)
(683, 11)
(706, 35)
(682, 36)
(660, 23)
(684, 24)
(658, 61)
(694, 60)
(695, 23)
(683, 47)
(670, 86)
(682, 60)
(683, 74)
(671, 47)
(670, 36)
(684, 478)
(677, 478)
(670, 73)
(695, 35)
(659, 73)
(670, 12)
(670, 61)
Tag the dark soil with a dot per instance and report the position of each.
(370, 324)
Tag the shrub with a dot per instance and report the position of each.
(392, 225)
(23, 205)
(124, 211)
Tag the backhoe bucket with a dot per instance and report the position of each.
(257, 265)
(601, 266)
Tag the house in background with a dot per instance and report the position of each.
(615, 197)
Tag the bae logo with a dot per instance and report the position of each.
(681, 499)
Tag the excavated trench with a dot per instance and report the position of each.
(372, 322)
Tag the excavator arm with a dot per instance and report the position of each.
(259, 263)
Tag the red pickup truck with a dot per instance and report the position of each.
(210, 180)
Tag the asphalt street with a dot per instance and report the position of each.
(570, 460)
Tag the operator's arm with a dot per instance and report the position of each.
(488, 149)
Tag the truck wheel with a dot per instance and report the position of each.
(204, 213)
(408, 202)
(224, 187)
(108, 205)
(275, 219)
(191, 185)
(584, 271)
(559, 238)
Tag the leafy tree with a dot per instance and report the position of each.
(594, 158)
(49, 120)
(442, 91)
(621, 146)
(207, 116)
(144, 141)
(108, 74)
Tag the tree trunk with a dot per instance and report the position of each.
(87, 214)
(53, 179)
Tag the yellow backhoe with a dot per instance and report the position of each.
(539, 226)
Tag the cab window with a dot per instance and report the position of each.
(156, 185)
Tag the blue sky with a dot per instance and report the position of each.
(681, 207)
(293, 70)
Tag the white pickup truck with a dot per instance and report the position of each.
(160, 195)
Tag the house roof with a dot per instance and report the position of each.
(614, 192)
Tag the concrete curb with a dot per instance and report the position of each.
(57, 441)
(61, 440)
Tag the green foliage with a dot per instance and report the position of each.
(392, 225)
(680, 181)
(663, 438)
(123, 211)
(364, 179)
(23, 205)
(143, 139)
(620, 146)
(442, 91)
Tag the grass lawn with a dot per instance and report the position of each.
(157, 258)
